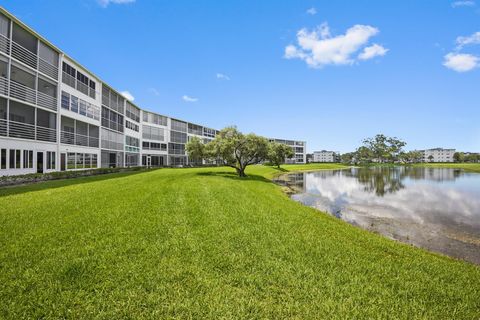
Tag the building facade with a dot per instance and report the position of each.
(438, 155)
(56, 115)
(326, 156)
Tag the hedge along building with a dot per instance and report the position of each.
(56, 115)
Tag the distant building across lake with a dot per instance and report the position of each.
(326, 156)
(438, 155)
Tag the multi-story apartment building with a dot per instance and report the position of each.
(299, 150)
(326, 156)
(56, 115)
(438, 155)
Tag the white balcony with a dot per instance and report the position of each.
(78, 139)
(24, 55)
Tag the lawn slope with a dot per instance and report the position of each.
(202, 243)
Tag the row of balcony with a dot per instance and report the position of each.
(78, 139)
(27, 57)
(21, 92)
(22, 130)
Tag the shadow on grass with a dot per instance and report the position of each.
(53, 184)
(233, 176)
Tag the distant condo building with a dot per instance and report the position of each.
(326, 156)
(438, 155)
(56, 115)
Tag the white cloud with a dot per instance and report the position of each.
(472, 39)
(222, 76)
(154, 91)
(374, 50)
(128, 95)
(105, 3)
(189, 99)
(466, 3)
(461, 62)
(318, 48)
(312, 11)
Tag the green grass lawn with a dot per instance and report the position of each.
(474, 167)
(202, 243)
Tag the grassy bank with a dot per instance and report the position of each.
(202, 243)
(473, 167)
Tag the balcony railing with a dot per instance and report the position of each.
(3, 86)
(46, 101)
(21, 130)
(24, 55)
(78, 139)
(22, 92)
(4, 44)
(27, 94)
(46, 134)
(47, 68)
(3, 127)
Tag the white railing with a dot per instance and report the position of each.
(3, 127)
(3, 86)
(93, 142)
(82, 87)
(68, 79)
(46, 101)
(24, 55)
(47, 68)
(78, 139)
(22, 92)
(67, 137)
(21, 130)
(4, 44)
(46, 134)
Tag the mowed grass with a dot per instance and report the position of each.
(473, 167)
(202, 243)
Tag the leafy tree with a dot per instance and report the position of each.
(348, 158)
(459, 157)
(237, 150)
(430, 158)
(364, 154)
(195, 149)
(383, 148)
(277, 153)
(410, 156)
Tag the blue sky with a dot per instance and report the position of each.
(328, 72)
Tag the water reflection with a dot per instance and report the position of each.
(438, 209)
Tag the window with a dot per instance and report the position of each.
(132, 112)
(71, 160)
(178, 137)
(154, 146)
(50, 160)
(65, 100)
(27, 159)
(153, 133)
(154, 118)
(112, 120)
(207, 132)
(131, 141)
(15, 159)
(3, 159)
(175, 148)
(4, 26)
(74, 105)
(131, 126)
(179, 125)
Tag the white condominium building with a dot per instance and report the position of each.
(326, 156)
(438, 155)
(56, 115)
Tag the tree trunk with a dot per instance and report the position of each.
(241, 172)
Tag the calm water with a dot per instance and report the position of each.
(437, 209)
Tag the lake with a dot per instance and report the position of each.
(433, 208)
